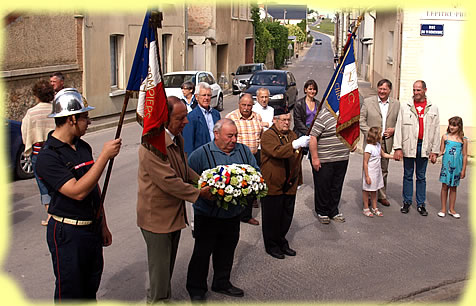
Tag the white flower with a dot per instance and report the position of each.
(229, 189)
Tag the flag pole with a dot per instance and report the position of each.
(300, 151)
(111, 161)
(156, 21)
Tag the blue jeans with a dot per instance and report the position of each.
(45, 197)
(420, 171)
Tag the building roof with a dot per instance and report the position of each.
(292, 11)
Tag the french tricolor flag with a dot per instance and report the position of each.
(342, 97)
(146, 78)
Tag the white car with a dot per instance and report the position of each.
(174, 80)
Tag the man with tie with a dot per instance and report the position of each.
(164, 184)
(381, 111)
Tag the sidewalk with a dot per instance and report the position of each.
(105, 122)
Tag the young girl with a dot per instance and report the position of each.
(372, 179)
(454, 148)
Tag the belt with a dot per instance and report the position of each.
(71, 221)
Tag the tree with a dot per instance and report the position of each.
(279, 42)
(302, 25)
(294, 30)
(262, 36)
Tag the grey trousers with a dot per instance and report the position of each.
(382, 192)
(161, 253)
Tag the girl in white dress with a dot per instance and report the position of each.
(372, 179)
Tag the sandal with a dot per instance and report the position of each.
(377, 212)
(367, 212)
(323, 219)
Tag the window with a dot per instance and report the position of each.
(235, 9)
(202, 77)
(210, 79)
(390, 48)
(243, 10)
(116, 49)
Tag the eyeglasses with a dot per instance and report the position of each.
(205, 95)
(187, 88)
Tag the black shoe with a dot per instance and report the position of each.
(232, 291)
(422, 210)
(405, 208)
(275, 254)
(198, 298)
(288, 251)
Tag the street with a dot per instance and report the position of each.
(389, 259)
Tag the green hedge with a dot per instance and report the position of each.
(269, 35)
(279, 42)
(262, 37)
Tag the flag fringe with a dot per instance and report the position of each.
(345, 125)
(344, 141)
(153, 133)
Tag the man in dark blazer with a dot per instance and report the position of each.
(202, 118)
(372, 113)
(163, 187)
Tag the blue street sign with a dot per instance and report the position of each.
(431, 30)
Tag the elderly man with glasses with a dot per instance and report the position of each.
(199, 130)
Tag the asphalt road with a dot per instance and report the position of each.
(396, 258)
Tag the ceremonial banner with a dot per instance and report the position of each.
(342, 97)
(146, 78)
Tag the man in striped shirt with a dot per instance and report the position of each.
(250, 128)
(329, 159)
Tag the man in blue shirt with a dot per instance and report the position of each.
(202, 118)
(217, 230)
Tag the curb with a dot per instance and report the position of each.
(108, 122)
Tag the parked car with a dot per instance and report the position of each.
(20, 165)
(280, 83)
(174, 80)
(318, 41)
(243, 75)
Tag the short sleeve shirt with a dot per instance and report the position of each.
(329, 146)
(249, 129)
(58, 163)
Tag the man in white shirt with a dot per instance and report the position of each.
(266, 112)
(202, 118)
(381, 111)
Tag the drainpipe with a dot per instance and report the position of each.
(186, 35)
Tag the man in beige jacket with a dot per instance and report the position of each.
(417, 139)
(163, 188)
(381, 111)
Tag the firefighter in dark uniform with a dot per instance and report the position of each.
(77, 229)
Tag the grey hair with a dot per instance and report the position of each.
(201, 85)
(278, 116)
(262, 89)
(220, 123)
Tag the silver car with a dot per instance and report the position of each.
(243, 75)
(174, 80)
